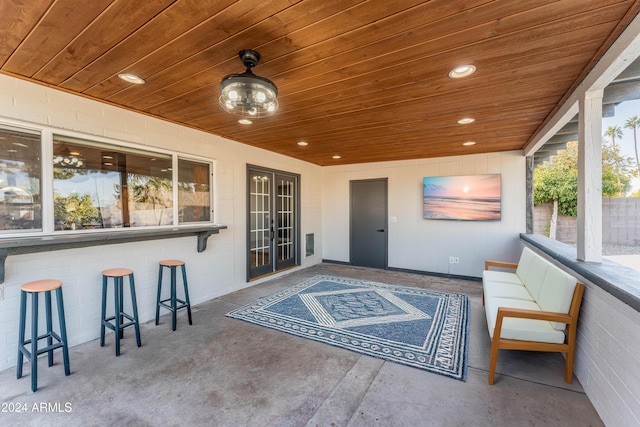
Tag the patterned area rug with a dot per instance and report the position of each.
(416, 327)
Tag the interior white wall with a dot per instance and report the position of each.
(217, 271)
(415, 243)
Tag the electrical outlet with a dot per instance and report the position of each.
(452, 260)
(456, 260)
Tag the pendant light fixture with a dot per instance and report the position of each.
(246, 94)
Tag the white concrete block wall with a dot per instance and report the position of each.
(607, 360)
(425, 245)
(218, 270)
(608, 357)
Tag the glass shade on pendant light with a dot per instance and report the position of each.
(68, 159)
(246, 94)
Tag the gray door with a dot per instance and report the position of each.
(368, 240)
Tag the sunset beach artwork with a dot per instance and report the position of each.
(462, 198)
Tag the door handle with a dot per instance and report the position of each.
(381, 230)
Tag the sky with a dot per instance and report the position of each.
(625, 110)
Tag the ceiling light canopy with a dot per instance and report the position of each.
(466, 120)
(246, 94)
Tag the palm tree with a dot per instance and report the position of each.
(615, 132)
(634, 123)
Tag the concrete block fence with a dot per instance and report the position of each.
(620, 222)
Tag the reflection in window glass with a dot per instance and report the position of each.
(100, 185)
(194, 194)
(20, 201)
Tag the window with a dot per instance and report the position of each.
(194, 196)
(99, 185)
(96, 185)
(20, 187)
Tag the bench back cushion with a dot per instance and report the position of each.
(531, 270)
(556, 292)
(549, 286)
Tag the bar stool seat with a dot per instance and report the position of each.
(118, 325)
(174, 303)
(35, 289)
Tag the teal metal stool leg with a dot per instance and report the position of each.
(174, 302)
(23, 319)
(47, 305)
(118, 310)
(103, 316)
(159, 295)
(63, 332)
(186, 292)
(134, 302)
(34, 341)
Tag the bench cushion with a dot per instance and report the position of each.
(505, 290)
(501, 276)
(521, 329)
(556, 293)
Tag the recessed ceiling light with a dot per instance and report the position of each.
(462, 71)
(19, 144)
(466, 120)
(303, 143)
(108, 164)
(245, 121)
(12, 150)
(74, 153)
(468, 143)
(337, 157)
(131, 78)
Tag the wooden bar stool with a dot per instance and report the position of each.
(119, 324)
(175, 303)
(35, 289)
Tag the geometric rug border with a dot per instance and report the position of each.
(447, 353)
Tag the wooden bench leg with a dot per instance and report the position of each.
(568, 365)
(493, 360)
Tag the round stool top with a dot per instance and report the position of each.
(41, 285)
(117, 272)
(171, 262)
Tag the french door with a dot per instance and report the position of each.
(273, 235)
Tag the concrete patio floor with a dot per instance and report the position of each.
(226, 372)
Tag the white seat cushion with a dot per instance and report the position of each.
(521, 329)
(505, 290)
(500, 276)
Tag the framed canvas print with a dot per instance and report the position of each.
(462, 198)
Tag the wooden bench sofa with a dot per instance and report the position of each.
(534, 308)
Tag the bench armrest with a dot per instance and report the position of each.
(501, 264)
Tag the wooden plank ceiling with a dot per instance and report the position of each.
(365, 80)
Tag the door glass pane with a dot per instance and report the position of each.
(285, 213)
(260, 219)
(20, 202)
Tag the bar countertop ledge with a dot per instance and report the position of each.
(32, 244)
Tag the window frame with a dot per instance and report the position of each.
(47, 182)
